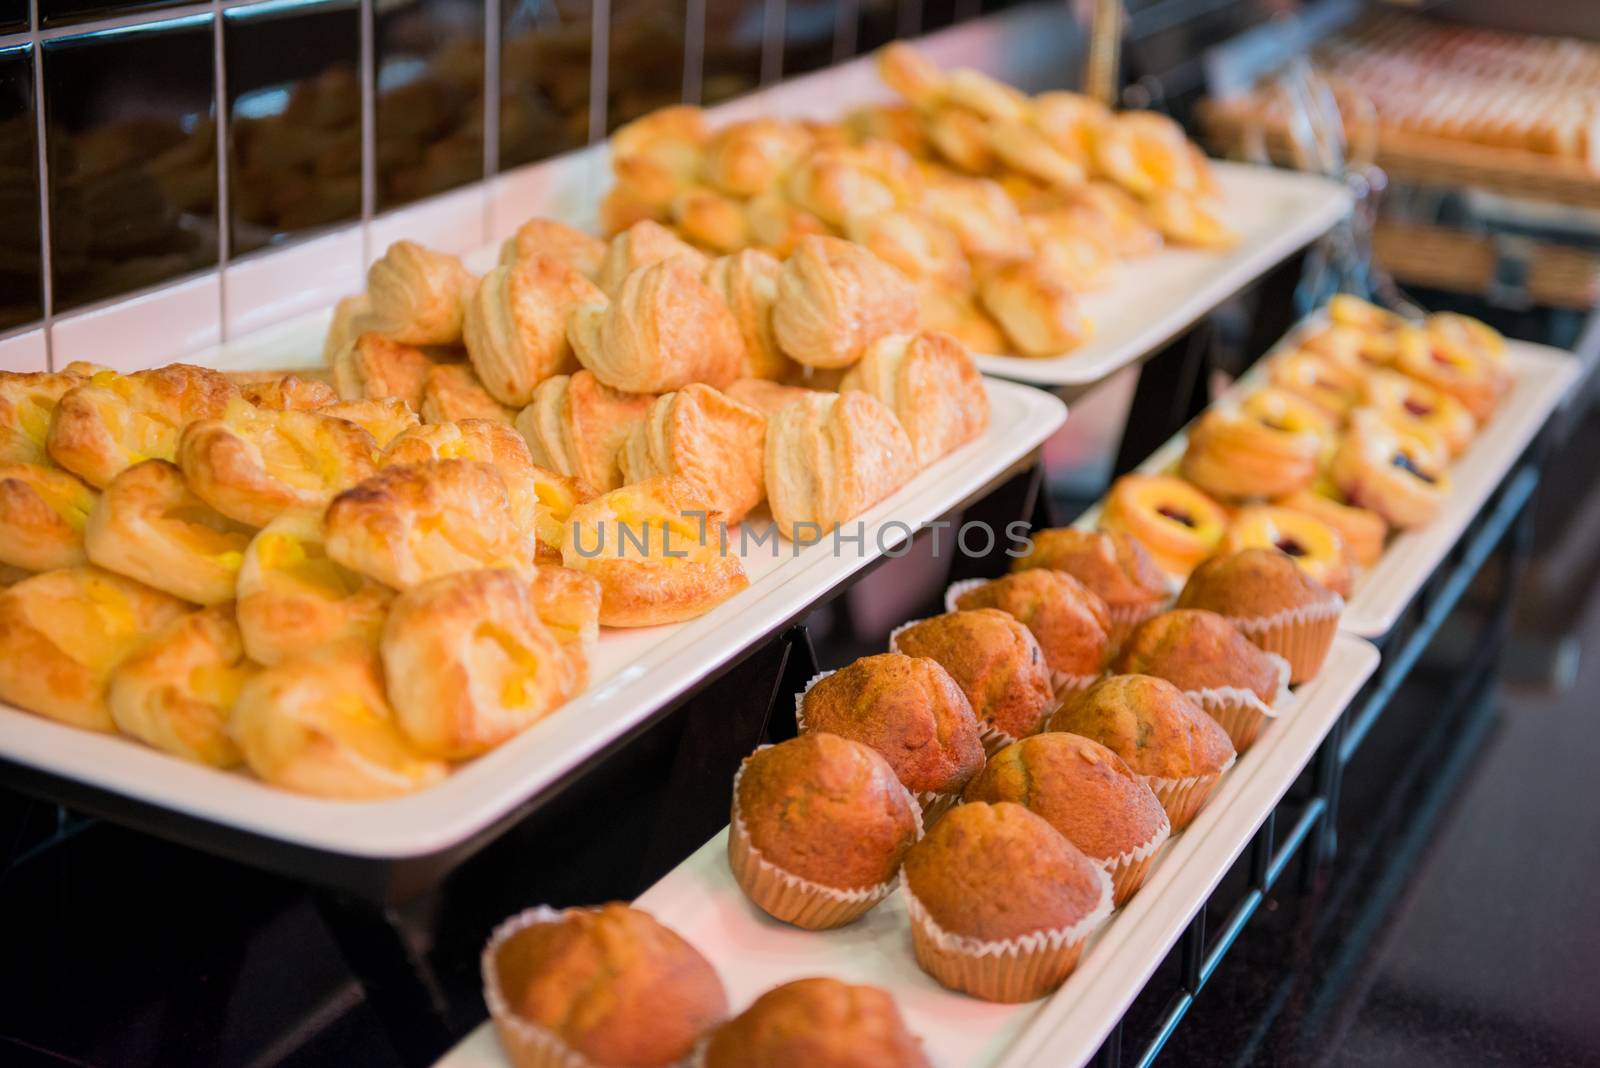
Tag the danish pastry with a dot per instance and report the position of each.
(42, 513)
(1262, 449)
(289, 391)
(576, 425)
(485, 442)
(1039, 314)
(1379, 335)
(384, 418)
(908, 73)
(931, 385)
(566, 244)
(745, 158)
(293, 598)
(114, 421)
(1070, 122)
(62, 633)
(150, 526)
(372, 367)
(1067, 251)
(1177, 523)
(765, 396)
(418, 296)
(1453, 370)
(1411, 405)
(961, 139)
(1363, 530)
(253, 464)
(1331, 385)
(779, 226)
(1476, 338)
(642, 245)
(1184, 218)
(1146, 153)
(711, 220)
(321, 724)
(913, 244)
(707, 438)
(655, 549)
(747, 282)
(835, 299)
(1398, 475)
(516, 325)
(661, 152)
(469, 664)
(177, 692)
(831, 456)
(835, 183)
(27, 400)
(1024, 148)
(985, 221)
(1113, 217)
(899, 123)
(568, 604)
(451, 392)
(352, 317)
(974, 90)
(1316, 547)
(664, 329)
(955, 311)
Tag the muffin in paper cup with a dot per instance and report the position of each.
(1301, 635)
(1240, 711)
(1061, 682)
(1129, 870)
(527, 1045)
(1183, 798)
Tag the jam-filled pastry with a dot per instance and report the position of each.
(779, 226)
(177, 692)
(452, 391)
(469, 664)
(294, 598)
(62, 633)
(1176, 522)
(547, 237)
(321, 724)
(664, 329)
(150, 526)
(576, 425)
(1039, 313)
(385, 418)
(418, 296)
(1472, 336)
(1185, 218)
(642, 245)
(42, 513)
(1411, 405)
(765, 396)
(909, 73)
(253, 464)
(955, 311)
(114, 421)
(837, 182)
(289, 391)
(656, 549)
(747, 282)
(1070, 121)
(1363, 530)
(373, 367)
(1316, 547)
(707, 438)
(984, 219)
(931, 385)
(412, 522)
(1333, 386)
(27, 401)
(1021, 146)
(745, 158)
(1265, 447)
(830, 457)
(516, 325)
(1400, 476)
(913, 244)
(711, 220)
(1454, 370)
(1379, 334)
(836, 298)
(658, 154)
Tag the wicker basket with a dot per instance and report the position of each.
(1464, 262)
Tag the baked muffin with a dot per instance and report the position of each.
(1001, 903)
(912, 712)
(1114, 565)
(1071, 624)
(1166, 739)
(816, 1023)
(1273, 601)
(1234, 681)
(996, 662)
(818, 829)
(597, 986)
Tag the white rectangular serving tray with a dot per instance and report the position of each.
(1543, 376)
(1150, 300)
(634, 673)
(753, 953)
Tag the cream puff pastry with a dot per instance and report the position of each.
(1040, 315)
(418, 296)
(321, 724)
(27, 401)
(836, 298)
(62, 633)
(707, 438)
(576, 425)
(931, 385)
(516, 325)
(290, 391)
(547, 237)
(42, 513)
(469, 664)
(373, 367)
(642, 245)
(452, 391)
(747, 282)
(831, 456)
(177, 692)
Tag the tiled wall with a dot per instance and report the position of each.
(214, 154)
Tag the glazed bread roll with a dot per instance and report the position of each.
(451, 392)
(831, 456)
(62, 633)
(931, 385)
(706, 437)
(576, 426)
(42, 513)
(287, 392)
(321, 724)
(516, 325)
(835, 299)
(372, 367)
(293, 598)
(747, 282)
(710, 220)
(418, 296)
(664, 329)
(913, 244)
(746, 158)
(546, 237)
(655, 548)
(150, 526)
(641, 245)
(27, 401)
(1039, 314)
(469, 663)
(177, 692)
(385, 419)
(412, 522)
(253, 464)
(113, 421)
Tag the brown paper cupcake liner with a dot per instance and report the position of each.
(526, 1044)
(1300, 635)
(1129, 869)
(1009, 970)
(1240, 711)
(1183, 798)
(1066, 684)
(1125, 619)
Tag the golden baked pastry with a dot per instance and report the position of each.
(62, 633)
(1186, 219)
(321, 724)
(177, 692)
(961, 138)
(294, 599)
(289, 391)
(642, 245)
(253, 464)
(1039, 314)
(1070, 122)
(976, 91)
(1476, 338)
(1411, 405)
(412, 522)
(664, 329)
(779, 226)
(747, 282)
(979, 213)
(622, 206)
(486, 442)
(384, 418)
(27, 400)
(113, 421)
(1400, 476)
(706, 437)
(817, 1022)
(352, 317)
(1070, 622)
(1264, 447)
(418, 296)
(746, 158)
(469, 664)
(835, 299)
(1067, 251)
(1318, 548)
(899, 123)
(576, 426)
(658, 154)
(451, 392)
(568, 604)
(711, 220)
(953, 310)
(835, 183)
(1332, 385)
(1454, 370)
(997, 663)
(42, 513)
(765, 396)
(913, 244)
(1024, 148)
(1114, 218)
(655, 548)
(1363, 530)
(1177, 523)
(547, 237)
(1146, 153)
(150, 526)
(909, 73)
(931, 385)
(829, 457)
(516, 325)
(372, 367)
